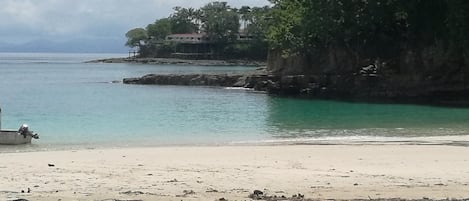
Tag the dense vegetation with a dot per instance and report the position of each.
(359, 31)
(371, 29)
(220, 22)
(392, 49)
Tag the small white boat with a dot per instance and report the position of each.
(15, 137)
(21, 136)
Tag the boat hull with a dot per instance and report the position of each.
(13, 138)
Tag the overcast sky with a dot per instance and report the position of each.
(62, 20)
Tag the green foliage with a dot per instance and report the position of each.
(136, 37)
(286, 33)
(160, 29)
(183, 20)
(303, 26)
(220, 22)
(458, 23)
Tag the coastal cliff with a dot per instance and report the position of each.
(432, 74)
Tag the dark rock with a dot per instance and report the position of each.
(224, 80)
(258, 192)
(428, 75)
(257, 195)
(241, 82)
(51, 165)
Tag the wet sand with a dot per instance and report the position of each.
(235, 172)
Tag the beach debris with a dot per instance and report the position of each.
(258, 192)
(257, 195)
(120, 200)
(29, 190)
(211, 190)
(222, 199)
(299, 195)
(355, 184)
(20, 199)
(264, 196)
(132, 193)
(51, 165)
(173, 180)
(186, 193)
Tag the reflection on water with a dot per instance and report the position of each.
(291, 117)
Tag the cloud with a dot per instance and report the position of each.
(61, 20)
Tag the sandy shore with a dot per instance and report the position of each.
(233, 172)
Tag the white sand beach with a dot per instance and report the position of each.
(233, 172)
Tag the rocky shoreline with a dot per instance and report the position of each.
(174, 61)
(362, 88)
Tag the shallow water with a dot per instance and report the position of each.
(72, 104)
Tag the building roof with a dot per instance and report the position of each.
(188, 35)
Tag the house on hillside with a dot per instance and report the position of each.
(197, 45)
(187, 38)
(191, 46)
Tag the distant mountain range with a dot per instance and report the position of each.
(72, 46)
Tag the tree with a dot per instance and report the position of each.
(183, 21)
(160, 29)
(259, 19)
(136, 37)
(220, 22)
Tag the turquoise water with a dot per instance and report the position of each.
(75, 104)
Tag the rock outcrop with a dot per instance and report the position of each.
(429, 75)
(225, 80)
(337, 74)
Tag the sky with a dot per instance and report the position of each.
(61, 21)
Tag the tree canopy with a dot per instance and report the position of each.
(304, 25)
(160, 29)
(218, 21)
(136, 37)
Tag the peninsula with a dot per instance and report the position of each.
(385, 53)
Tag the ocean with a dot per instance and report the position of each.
(75, 105)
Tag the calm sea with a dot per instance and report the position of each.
(72, 104)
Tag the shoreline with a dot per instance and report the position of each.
(234, 172)
(175, 61)
(455, 140)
